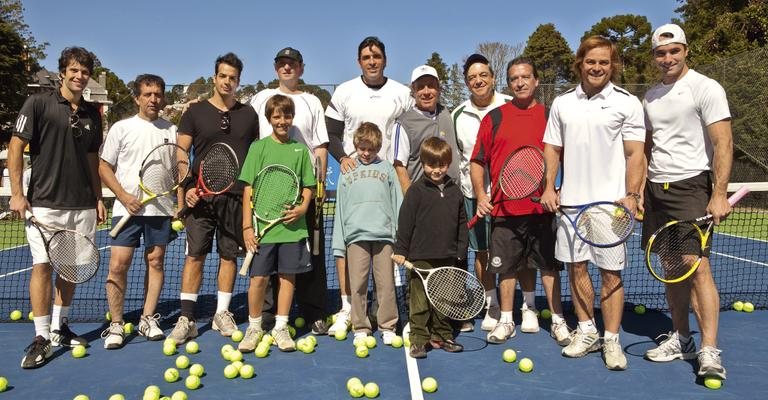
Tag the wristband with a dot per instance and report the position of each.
(634, 195)
(246, 228)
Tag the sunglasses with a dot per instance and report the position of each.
(225, 122)
(74, 123)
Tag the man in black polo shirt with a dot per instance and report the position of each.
(219, 119)
(64, 133)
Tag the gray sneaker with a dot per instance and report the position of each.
(224, 322)
(613, 355)
(582, 344)
(183, 331)
(113, 336)
(283, 339)
(491, 319)
(251, 339)
(149, 327)
(710, 364)
(672, 348)
(561, 334)
(501, 333)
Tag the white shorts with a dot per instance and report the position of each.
(569, 248)
(83, 221)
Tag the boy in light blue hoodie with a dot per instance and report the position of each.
(367, 205)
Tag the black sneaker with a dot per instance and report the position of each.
(65, 337)
(37, 353)
(319, 327)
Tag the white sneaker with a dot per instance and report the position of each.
(561, 334)
(342, 323)
(183, 331)
(387, 336)
(113, 336)
(613, 355)
(710, 364)
(467, 326)
(502, 332)
(283, 339)
(672, 348)
(530, 321)
(492, 316)
(224, 322)
(582, 344)
(149, 327)
(251, 339)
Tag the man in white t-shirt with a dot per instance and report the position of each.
(690, 151)
(125, 147)
(308, 128)
(602, 125)
(371, 97)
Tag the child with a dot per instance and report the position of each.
(433, 230)
(367, 203)
(283, 249)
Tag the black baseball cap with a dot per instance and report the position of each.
(291, 53)
(474, 58)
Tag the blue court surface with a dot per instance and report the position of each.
(478, 372)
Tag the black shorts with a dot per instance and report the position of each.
(682, 200)
(281, 258)
(515, 239)
(222, 215)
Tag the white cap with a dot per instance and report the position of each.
(672, 34)
(423, 70)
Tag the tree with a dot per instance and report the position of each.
(199, 88)
(551, 53)
(436, 62)
(246, 93)
(632, 36)
(175, 95)
(322, 94)
(456, 90)
(260, 86)
(498, 54)
(121, 96)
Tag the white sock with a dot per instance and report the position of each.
(189, 296)
(58, 315)
(506, 317)
(491, 298)
(587, 326)
(530, 300)
(254, 322)
(346, 304)
(222, 301)
(43, 326)
(281, 321)
(611, 336)
(557, 318)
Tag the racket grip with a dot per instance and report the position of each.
(246, 263)
(743, 191)
(316, 243)
(473, 221)
(119, 226)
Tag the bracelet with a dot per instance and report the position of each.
(246, 228)
(634, 195)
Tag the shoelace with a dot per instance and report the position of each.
(36, 345)
(114, 328)
(709, 354)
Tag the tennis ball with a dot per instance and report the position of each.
(526, 365)
(509, 356)
(749, 307)
(299, 322)
(4, 381)
(31, 316)
(353, 381)
(197, 370)
(177, 225)
(81, 397)
(246, 371)
(169, 349)
(713, 383)
(262, 350)
(268, 339)
(78, 351)
(312, 339)
(192, 347)
(358, 341)
(152, 392)
(15, 315)
(397, 342)
(429, 384)
(341, 334)
(738, 306)
(171, 375)
(117, 397)
(370, 342)
(301, 342)
(546, 314)
(165, 398)
(128, 328)
(407, 342)
(639, 309)
(357, 390)
(230, 371)
(169, 341)
(238, 365)
(292, 331)
(182, 362)
(235, 355)
(237, 336)
(107, 316)
(361, 351)
(192, 382)
(179, 395)
(371, 390)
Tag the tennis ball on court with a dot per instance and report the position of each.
(182, 362)
(353, 381)
(299, 322)
(235, 355)
(237, 336)
(546, 314)
(397, 342)
(230, 371)
(308, 347)
(15, 315)
(107, 316)
(128, 328)
(361, 351)
(509, 356)
(358, 341)
(526, 365)
(31, 316)
(246, 371)
(370, 342)
(371, 390)
(238, 365)
(3, 382)
(357, 390)
(268, 339)
(192, 347)
(713, 383)
(341, 334)
(78, 351)
(225, 350)
(165, 398)
(312, 339)
(429, 384)
(407, 342)
(262, 350)
(171, 375)
(169, 349)
(117, 397)
(179, 395)
(749, 307)
(192, 382)
(292, 331)
(738, 306)
(152, 392)
(301, 342)
(640, 309)
(81, 397)
(197, 370)
(177, 225)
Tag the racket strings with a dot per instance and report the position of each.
(74, 257)
(522, 173)
(275, 189)
(162, 171)
(455, 293)
(675, 251)
(219, 169)
(605, 224)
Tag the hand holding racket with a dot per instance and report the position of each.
(276, 189)
(520, 176)
(73, 256)
(319, 199)
(216, 174)
(454, 292)
(164, 168)
(675, 250)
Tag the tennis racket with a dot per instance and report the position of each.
(454, 292)
(602, 223)
(674, 251)
(521, 176)
(73, 256)
(276, 189)
(217, 172)
(319, 197)
(164, 168)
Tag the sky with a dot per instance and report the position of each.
(180, 40)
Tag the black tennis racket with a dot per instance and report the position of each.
(216, 174)
(73, 256)
(319, 198)
(520, 177)
(164, 168)
(675, 250)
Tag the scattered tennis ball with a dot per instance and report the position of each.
(429, 384)
(192, 382)
(171, 375)
(738, 306)
(353, 381)
(358, 341)
(312, 339)
(81, 397)
(341, 334)
(299, 322)
(197, 370)
(357, 390)
(238, 365)
(262, 350)
(237, 336)
(361, 351)
(526, 365)
(301, 342)
(182, 362)
(226, 349)
(230, 371)
(152, 392)
(397, 342)
(749, 307)
(546, 314)
(117, 396)
(78, 351)
(292, 331)
(3, 382)
(169, 341)
(128, 328)
(246, 371)
(370, 342)
(509, 356)
(267, 338)
(640, 309)
(371, 390)
(165, 398)
(333, 318)
(15, 315)
(169, 349)
(192, 347)
(179, 395)
(31, 316)
(407, 342)
(107, 316)
(235, 355)
(713, 383)
(177, 225)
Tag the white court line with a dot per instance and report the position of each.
(414, 380)
(18, 271)
(741, 259)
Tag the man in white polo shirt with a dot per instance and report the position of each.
(600, 129)
(690, 151)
